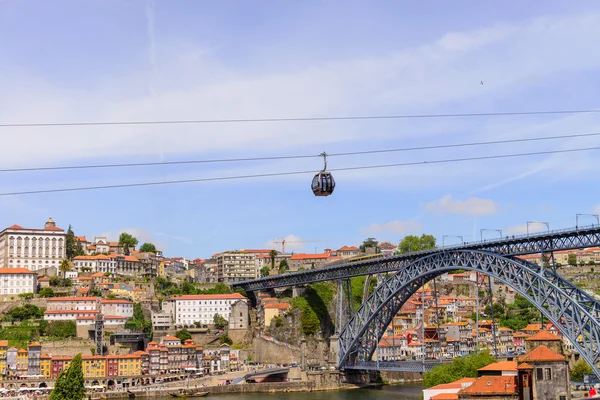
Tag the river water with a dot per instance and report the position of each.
(405, 391)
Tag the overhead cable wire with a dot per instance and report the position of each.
(238, 177)
(294, 119)
(268, 158)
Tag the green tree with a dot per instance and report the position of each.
(65, 265)
(241, 291)
(70, 384)
(219, 321)
(70, 244)
(111, 296)
(413, 243)
(461, 367)
(61, 329)
(128, 242)
(283, 266)
(580, 369)
(26, 296)
(183, 335)
(225, 339)
(46, 292)
(273, 254)
(572, 259)
(148, 248)
(309, 320)
(264, 271)
(369, 242)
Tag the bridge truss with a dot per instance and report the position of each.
(511, 246)
(575, 313)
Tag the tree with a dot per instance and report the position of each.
(128, 242)
(219, 321)
(580, 369)
(283, 266)
(183, 335)
(65, 265)
(70, 384)
(572, 259)
(309, 320)
(46, 292)
(148, 248)
(70, 244)
(461, 367)
(225, 339)
(413, 243)
(111, 296)
(369, 242)
(264, 271)
(273, 254)
(29, 295)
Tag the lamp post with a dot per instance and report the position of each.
(586, 215)
(454, 236)
(538, 222)
(492, 230)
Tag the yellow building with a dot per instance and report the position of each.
(139, 294)
(93, 366)
(161, 269)
(273, 310)
(22, 362)
(130, 365)
(46, 365)
(122, 291)
(3, 350)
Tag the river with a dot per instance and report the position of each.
(388, 392)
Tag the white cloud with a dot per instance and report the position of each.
(522, 229)
(472, 206)
(597, 210)
(293, 243)
(394, 227)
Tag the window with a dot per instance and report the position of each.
(540, 374)
(547, 374)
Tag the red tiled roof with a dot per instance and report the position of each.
(70, 312)
(53, 228)
(500, 366)
(281, 306)
(541, 353)
(73, 299)
(15, 271)
(487, 385)
(96, 257)
(115, 301)
(15, 226)
(524, 366)
(208, 296)
(114, 317)
(43, 279)
(4, 343)
(348, 248)
(453, 385)
(170, 338)
(544, 336)
(445, 396)
(309, 256)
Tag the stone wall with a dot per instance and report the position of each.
(271, 353)
(400, 376)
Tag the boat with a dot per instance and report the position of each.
(188, 393)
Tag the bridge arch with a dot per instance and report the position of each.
(575, 313)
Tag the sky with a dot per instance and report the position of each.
(113, 60)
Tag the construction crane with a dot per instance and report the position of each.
(283, 242)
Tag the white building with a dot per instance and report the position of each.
(161, 320)
(97, 263)
(72, 304)
(14, 281)
(236, 266)
(32, 248)
(121, 308)
(69, 315)
(203, 307)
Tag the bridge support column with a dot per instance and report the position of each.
(334, 348)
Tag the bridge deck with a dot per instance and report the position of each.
(567, 239)
(405, 366)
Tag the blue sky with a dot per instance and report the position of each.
(65, 61)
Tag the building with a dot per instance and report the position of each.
(93, 366)
(502, 368)
(447, 388)
(274, 310)
(161, 320)
(348, 252)
(72, 303)
(492, 388)
(46, 366)
(122, 308)
(549, 372)
(3, 356)
(95, 263)
(33, 249)
(307, 261)
(14, 281)
(236, 266)
(240, 315)
(22, 362)
(203, 307)
(34, 354)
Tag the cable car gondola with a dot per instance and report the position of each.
(323, 183)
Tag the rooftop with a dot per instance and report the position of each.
(500, 366)
(543, 336)
(487, 385)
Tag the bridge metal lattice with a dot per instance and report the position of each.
(575, 313)
(530, 244)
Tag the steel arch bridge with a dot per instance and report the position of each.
(575, 313)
